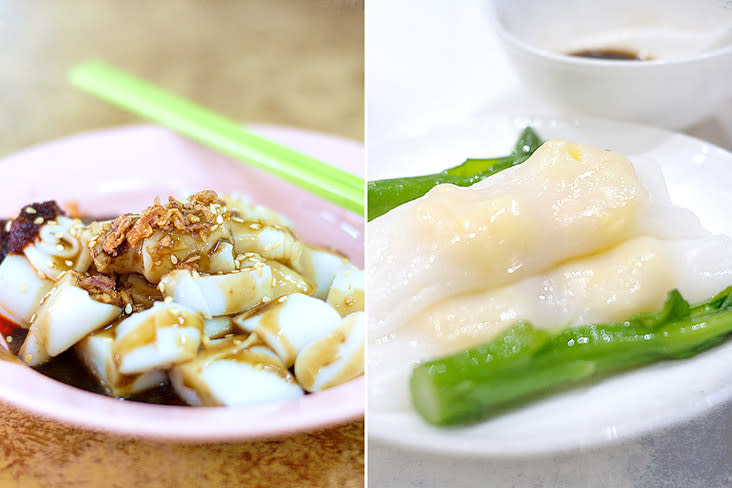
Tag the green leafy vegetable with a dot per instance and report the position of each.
(524, 362)
(384, 195)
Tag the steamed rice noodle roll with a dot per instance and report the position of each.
(234, 371)
(320, 266)
(65, 316)
(566, 200)
(166, 334)
(235, 292)
(58, 248)
(346, 293)
(242, 207)
(291, 323)
(199, 233)
(21, 289)
(95, 352)
(335, 358)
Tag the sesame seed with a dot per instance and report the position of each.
(8, 224)
(38, 220)
(282, 299)
(195, 274)
(227, 336)
(50, 264)
(69, 262)
(9, 339)
(128, 308)
(168, 300)
(181, 320)
(173, 259)
(33, 317)
(30, 210)
(266, 299)
(60, 247)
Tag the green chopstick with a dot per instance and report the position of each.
(220, 133)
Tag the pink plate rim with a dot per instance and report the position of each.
(35, 393)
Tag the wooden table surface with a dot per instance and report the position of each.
(287, 62)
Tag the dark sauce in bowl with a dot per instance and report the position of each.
(68, 369)
(609, 54)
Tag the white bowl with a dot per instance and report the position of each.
(689, 42)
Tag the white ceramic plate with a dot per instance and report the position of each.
(699, 176)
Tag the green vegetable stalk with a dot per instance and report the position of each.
(384, 195)
(524, 362)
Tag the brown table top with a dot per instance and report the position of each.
(286, 62)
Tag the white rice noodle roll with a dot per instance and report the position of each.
(65, 316)
(58, 248)
(159, 260)
(612, 286)
(566, 200)
(217, 327)
(320, 266)
(246, 209)
(157, 338)
(21, 289)
(291, 323)
(95, 351)
(235, 292)
(234, 371)
(220, 259)
(269, 241)
(156, 255)
(346, 294)
(334, 359)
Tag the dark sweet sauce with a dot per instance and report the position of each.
(68, 369)
(13, 333)
(609, 54)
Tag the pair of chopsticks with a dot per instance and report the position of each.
(220, 133)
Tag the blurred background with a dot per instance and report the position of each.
(285, 62)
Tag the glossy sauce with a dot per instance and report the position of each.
(68, 369)
(610, 54)
(13, 334)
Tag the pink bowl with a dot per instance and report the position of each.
(122, 170)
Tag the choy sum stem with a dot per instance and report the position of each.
(525, 361)
(384, 195)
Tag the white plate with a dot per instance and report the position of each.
(699, 177)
